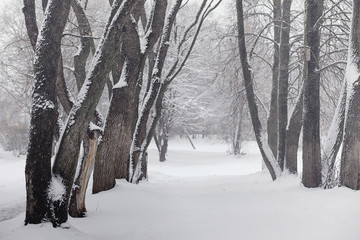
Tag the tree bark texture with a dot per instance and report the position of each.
(113, 153)
(293, 131)
(284, 57)
(83, 110)
(77, 206)
(350, 158)
(311, 113)
(272, 120)
(44, 113)
(265, 150)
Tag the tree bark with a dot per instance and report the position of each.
(77, 206)
(284, 55)
(311, 110)
(350, 158)
(265, 150)
(44, 113)
(293, 131)
(82, 112)
(272, 120)
(30, 21)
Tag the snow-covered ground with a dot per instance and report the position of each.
(197, 194)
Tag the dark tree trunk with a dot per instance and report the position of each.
(350, 158)
(284, 53)
(266, 153)
(30, 21)
(272, 120)
(113, 153)
(44, 113)
(311, 114)
(82, 112)
(293, 135)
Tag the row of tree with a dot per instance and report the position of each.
(143, 48)
(279, 150)
(132, 59)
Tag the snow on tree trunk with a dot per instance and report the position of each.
(350, 158)
(85, 106)
(311, 106)
(77, 206)
(44, 113)
(141, 134)
(333, 142)
(260, 134)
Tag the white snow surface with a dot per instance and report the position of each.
(196, 194)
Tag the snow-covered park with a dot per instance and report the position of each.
(200, 194)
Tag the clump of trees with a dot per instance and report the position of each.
(126, 66)
(131, 59)
(320, 167)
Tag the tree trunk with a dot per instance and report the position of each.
(44, 113)
(311, 114)
(350, 158)
(284, 55)
(77, 206)
(265, 150)
(82, 112)
(272, 120)
(113, 153)
(293, 135)
(333, 141)
(141, 135)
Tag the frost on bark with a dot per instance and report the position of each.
(311, 109)
(260, 136)
(44, 113)
(85, 106)
(350, 158)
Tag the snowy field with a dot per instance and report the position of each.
(200, 194)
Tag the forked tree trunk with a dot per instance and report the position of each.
(350, 158)
(81, 114)
(265, 150)
(44, 113)
(113, 153)
(311, 109)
